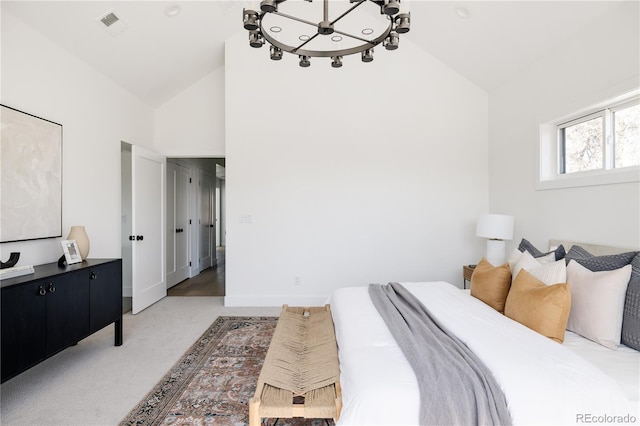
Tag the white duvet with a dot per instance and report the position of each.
(544, 382)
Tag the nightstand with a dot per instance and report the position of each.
(467, 271)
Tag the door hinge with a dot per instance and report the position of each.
(189, 263)
(189, 180)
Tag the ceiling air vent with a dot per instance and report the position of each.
(109, 19)
(112, 23)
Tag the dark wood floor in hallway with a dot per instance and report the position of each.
(209, 282)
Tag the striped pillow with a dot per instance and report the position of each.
(525, 245)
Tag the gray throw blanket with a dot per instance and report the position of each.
(456, 388)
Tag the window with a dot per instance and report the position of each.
(626, 135)
(599, 145)
(606, 139)
(581, 144)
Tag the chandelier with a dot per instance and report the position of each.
(327, 28)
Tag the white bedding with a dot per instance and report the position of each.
(544, 382)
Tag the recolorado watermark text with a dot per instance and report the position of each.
(589, 418)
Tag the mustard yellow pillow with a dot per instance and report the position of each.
(491, 284)
(543, 308)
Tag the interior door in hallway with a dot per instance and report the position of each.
(206, 221)
(148, 229)
(177, 224)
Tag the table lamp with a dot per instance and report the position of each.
(496, 228)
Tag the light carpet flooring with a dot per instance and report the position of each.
(96, 383)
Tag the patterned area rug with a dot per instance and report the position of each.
(213, 382)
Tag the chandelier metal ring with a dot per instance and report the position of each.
(327, 53)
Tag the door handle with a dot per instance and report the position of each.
(131, 237)
(139, 237)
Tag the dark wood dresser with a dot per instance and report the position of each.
(56, 307)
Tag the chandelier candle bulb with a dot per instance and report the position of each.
(391, 42)
(268, 6)
(250, 20)
(403, 22)
(255, 39)
(391, 7)
(276, 53)
(367, 55)
(304, 61)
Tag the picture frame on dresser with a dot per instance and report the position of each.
(71, 251)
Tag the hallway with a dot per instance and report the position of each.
(209, 282)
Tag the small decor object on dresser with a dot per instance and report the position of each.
(71, 251)
(13, 259)
(79, 234)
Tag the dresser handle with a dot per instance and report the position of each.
(51, 288)
(41, 291)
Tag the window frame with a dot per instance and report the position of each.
(549, 152)
(560, 128)
(620, 106)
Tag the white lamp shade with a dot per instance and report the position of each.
(495, 226)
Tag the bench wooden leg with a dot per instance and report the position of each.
(254, 412)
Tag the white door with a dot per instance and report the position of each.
(177, 224)
(206, 237)
(147, 227)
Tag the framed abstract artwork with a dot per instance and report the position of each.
(30, 177)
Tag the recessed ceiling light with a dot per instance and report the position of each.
(462, 12)
(367, 31)
(275, 29)
(172, 10)
(304, 37)
(336, 38)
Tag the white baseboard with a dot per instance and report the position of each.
(264, 301)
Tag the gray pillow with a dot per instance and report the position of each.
(525, 245)
(607, 262)
(631, 312)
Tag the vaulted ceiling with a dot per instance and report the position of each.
(158, 55)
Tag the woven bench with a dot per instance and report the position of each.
(300, 376)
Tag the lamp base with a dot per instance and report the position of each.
(495, 252)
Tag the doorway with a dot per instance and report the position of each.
(204, 227)
(143, 181)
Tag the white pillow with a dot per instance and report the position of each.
(513, 259)
(516, 255)
(549, 273)
(597, 303)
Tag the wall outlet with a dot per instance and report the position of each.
(297, 281)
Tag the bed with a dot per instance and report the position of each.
(544, 382)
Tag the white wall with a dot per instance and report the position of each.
(599, 62)
(42, 79)
(369, 173)
(192, 123)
